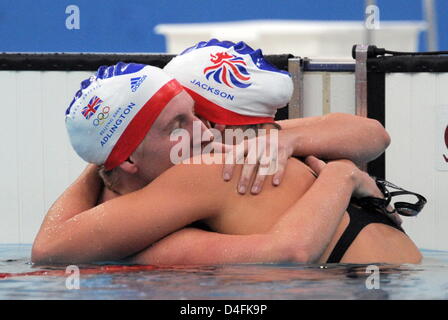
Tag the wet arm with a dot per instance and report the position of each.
(336, 136)
(81, 195)
(301, 235)
(127, 224)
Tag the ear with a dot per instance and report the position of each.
(129, 166)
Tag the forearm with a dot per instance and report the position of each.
(337, 136)
(127, 224)
(310, 224)
(81, 195)
(195, 246)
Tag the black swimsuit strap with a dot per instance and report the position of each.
(359, 218)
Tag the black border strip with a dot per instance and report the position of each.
(392, 64)
(91, 61)
(74, 61)
(376, 106)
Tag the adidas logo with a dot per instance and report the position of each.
(136, 82)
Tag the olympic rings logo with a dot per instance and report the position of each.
(102, 116)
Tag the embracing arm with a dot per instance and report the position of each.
(336, 136)
(124, 225)
(330, 137)
(130, 223)
(301, 234)
(81, 195)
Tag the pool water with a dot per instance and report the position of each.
(21, 280)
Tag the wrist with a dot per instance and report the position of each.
(345, 172)
(292, 141)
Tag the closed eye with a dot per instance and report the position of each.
(175, 122)
(179, 122)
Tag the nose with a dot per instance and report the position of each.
(200, 135)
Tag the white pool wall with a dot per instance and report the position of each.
(39, 162)
(37, 159)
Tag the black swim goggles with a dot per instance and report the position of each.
(400, 207)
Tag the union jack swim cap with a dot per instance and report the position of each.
(231, 83)
(114, 109)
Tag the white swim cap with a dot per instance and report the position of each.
(231, 83)
(114, 110)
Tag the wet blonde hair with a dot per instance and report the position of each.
(109, 177)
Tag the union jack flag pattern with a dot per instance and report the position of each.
(228, 69)
(91, 108)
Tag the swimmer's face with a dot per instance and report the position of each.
(153, 155)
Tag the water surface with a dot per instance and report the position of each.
(20, 280)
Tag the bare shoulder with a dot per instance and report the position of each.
(196, 170)
(198, 177)
(196, 180)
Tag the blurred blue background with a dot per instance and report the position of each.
(128, 25)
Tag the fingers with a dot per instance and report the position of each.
(227, 171)
(315, 164)
(258, 184)
(395, 217)
(250, 164)
(234, 155)
(280, 168)
(278, 177)
(266, 167)
(246, 174)
(260, 158)
(398, 219)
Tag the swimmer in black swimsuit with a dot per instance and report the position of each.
(369, 210)
(359, 218)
